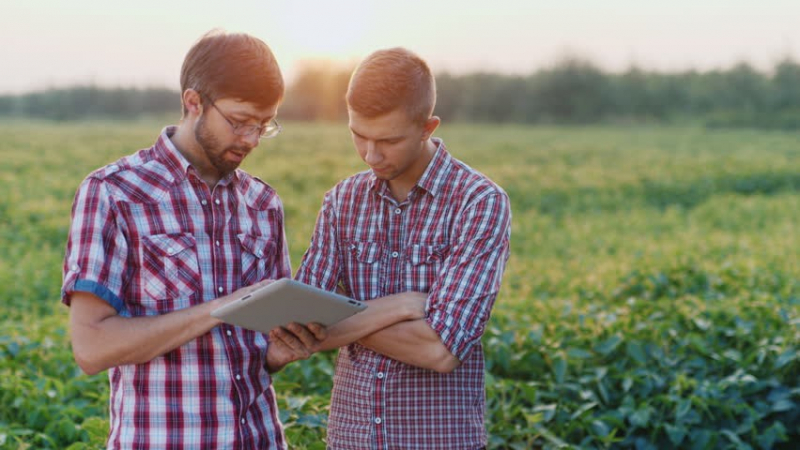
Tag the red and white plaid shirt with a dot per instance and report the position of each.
(150, 237)
(449, 239)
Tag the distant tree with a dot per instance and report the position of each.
(573, 91)
(318, 92)
(786, 85)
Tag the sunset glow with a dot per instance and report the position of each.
(50, 43)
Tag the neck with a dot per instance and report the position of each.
(401, 187)
(187, 145)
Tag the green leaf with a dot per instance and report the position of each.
(785, 358)
(773, 434)
(607, 346)
(627, 383)
(641, 417)
(548, 411)
(783, 405)
(702, 324)
(600, 428)
(577, 353)
(585, 407)
(731, 436)
(635, 351)
(700, 438)
(675, 434)
(682, 409)
(559, 369)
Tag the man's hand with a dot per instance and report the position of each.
(293, 342)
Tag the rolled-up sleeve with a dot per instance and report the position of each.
(96, 253)
(320, 264)
(461, 298)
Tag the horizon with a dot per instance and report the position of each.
(142, 46)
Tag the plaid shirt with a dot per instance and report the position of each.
(449, 239)
(150, 237)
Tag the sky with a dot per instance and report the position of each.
(141, 43)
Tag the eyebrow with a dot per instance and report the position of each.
(389, 138)
(245, 117)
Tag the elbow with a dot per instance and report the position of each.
(88, 366)
(447, 363)
(87, 359)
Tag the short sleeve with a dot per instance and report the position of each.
(96, 252)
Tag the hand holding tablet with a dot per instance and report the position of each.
(284, 301)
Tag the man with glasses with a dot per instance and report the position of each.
(418, 223)
(161, 238)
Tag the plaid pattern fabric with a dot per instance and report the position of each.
(150, 237)
(448, 239)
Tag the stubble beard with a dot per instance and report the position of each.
(214, 150)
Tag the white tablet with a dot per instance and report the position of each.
(284, 301)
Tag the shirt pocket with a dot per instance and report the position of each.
(170, 270)
(363, 269)
(258, 255)
(424, 262)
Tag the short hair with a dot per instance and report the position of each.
(234, 65)
(392, 78)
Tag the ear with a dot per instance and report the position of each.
(430, 126)
(192, 102)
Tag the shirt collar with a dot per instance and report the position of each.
(176, 163)
(432, 180)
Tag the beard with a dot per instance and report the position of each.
(214, 151)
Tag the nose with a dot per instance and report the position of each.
(251, 140)
(372, 155)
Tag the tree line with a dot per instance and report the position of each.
(571, 91)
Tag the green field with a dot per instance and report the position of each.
(652, 298)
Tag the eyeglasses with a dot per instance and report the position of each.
(269, 130)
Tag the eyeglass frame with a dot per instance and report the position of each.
(236, 126)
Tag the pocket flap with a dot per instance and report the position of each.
(425, 253)
(169, 244)
(260, 246)
(365, 251)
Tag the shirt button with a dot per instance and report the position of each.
(397, 211)
(219, 289)
(229, 332)
(378, 420)
(395, 254)
(243, 421)
(238, 377)
(75, 267)
(204, 202)
(171, 251)
(379, 375)
(216, 201)
(217, 243)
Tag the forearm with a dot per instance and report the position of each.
(380, 313)
(101, 341)
(415, 343)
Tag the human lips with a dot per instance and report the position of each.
(238, 155)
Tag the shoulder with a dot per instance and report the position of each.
(257, 193)
(139, 177)
(351, 187)
(473, 186)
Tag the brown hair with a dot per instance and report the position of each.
(234, 65)
(392, 78)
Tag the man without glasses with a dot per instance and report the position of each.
(422, 230)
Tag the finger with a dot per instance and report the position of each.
(319, 331)
(287, 340)
(303, 334)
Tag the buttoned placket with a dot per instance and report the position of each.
(216, 204)
(394, 221)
